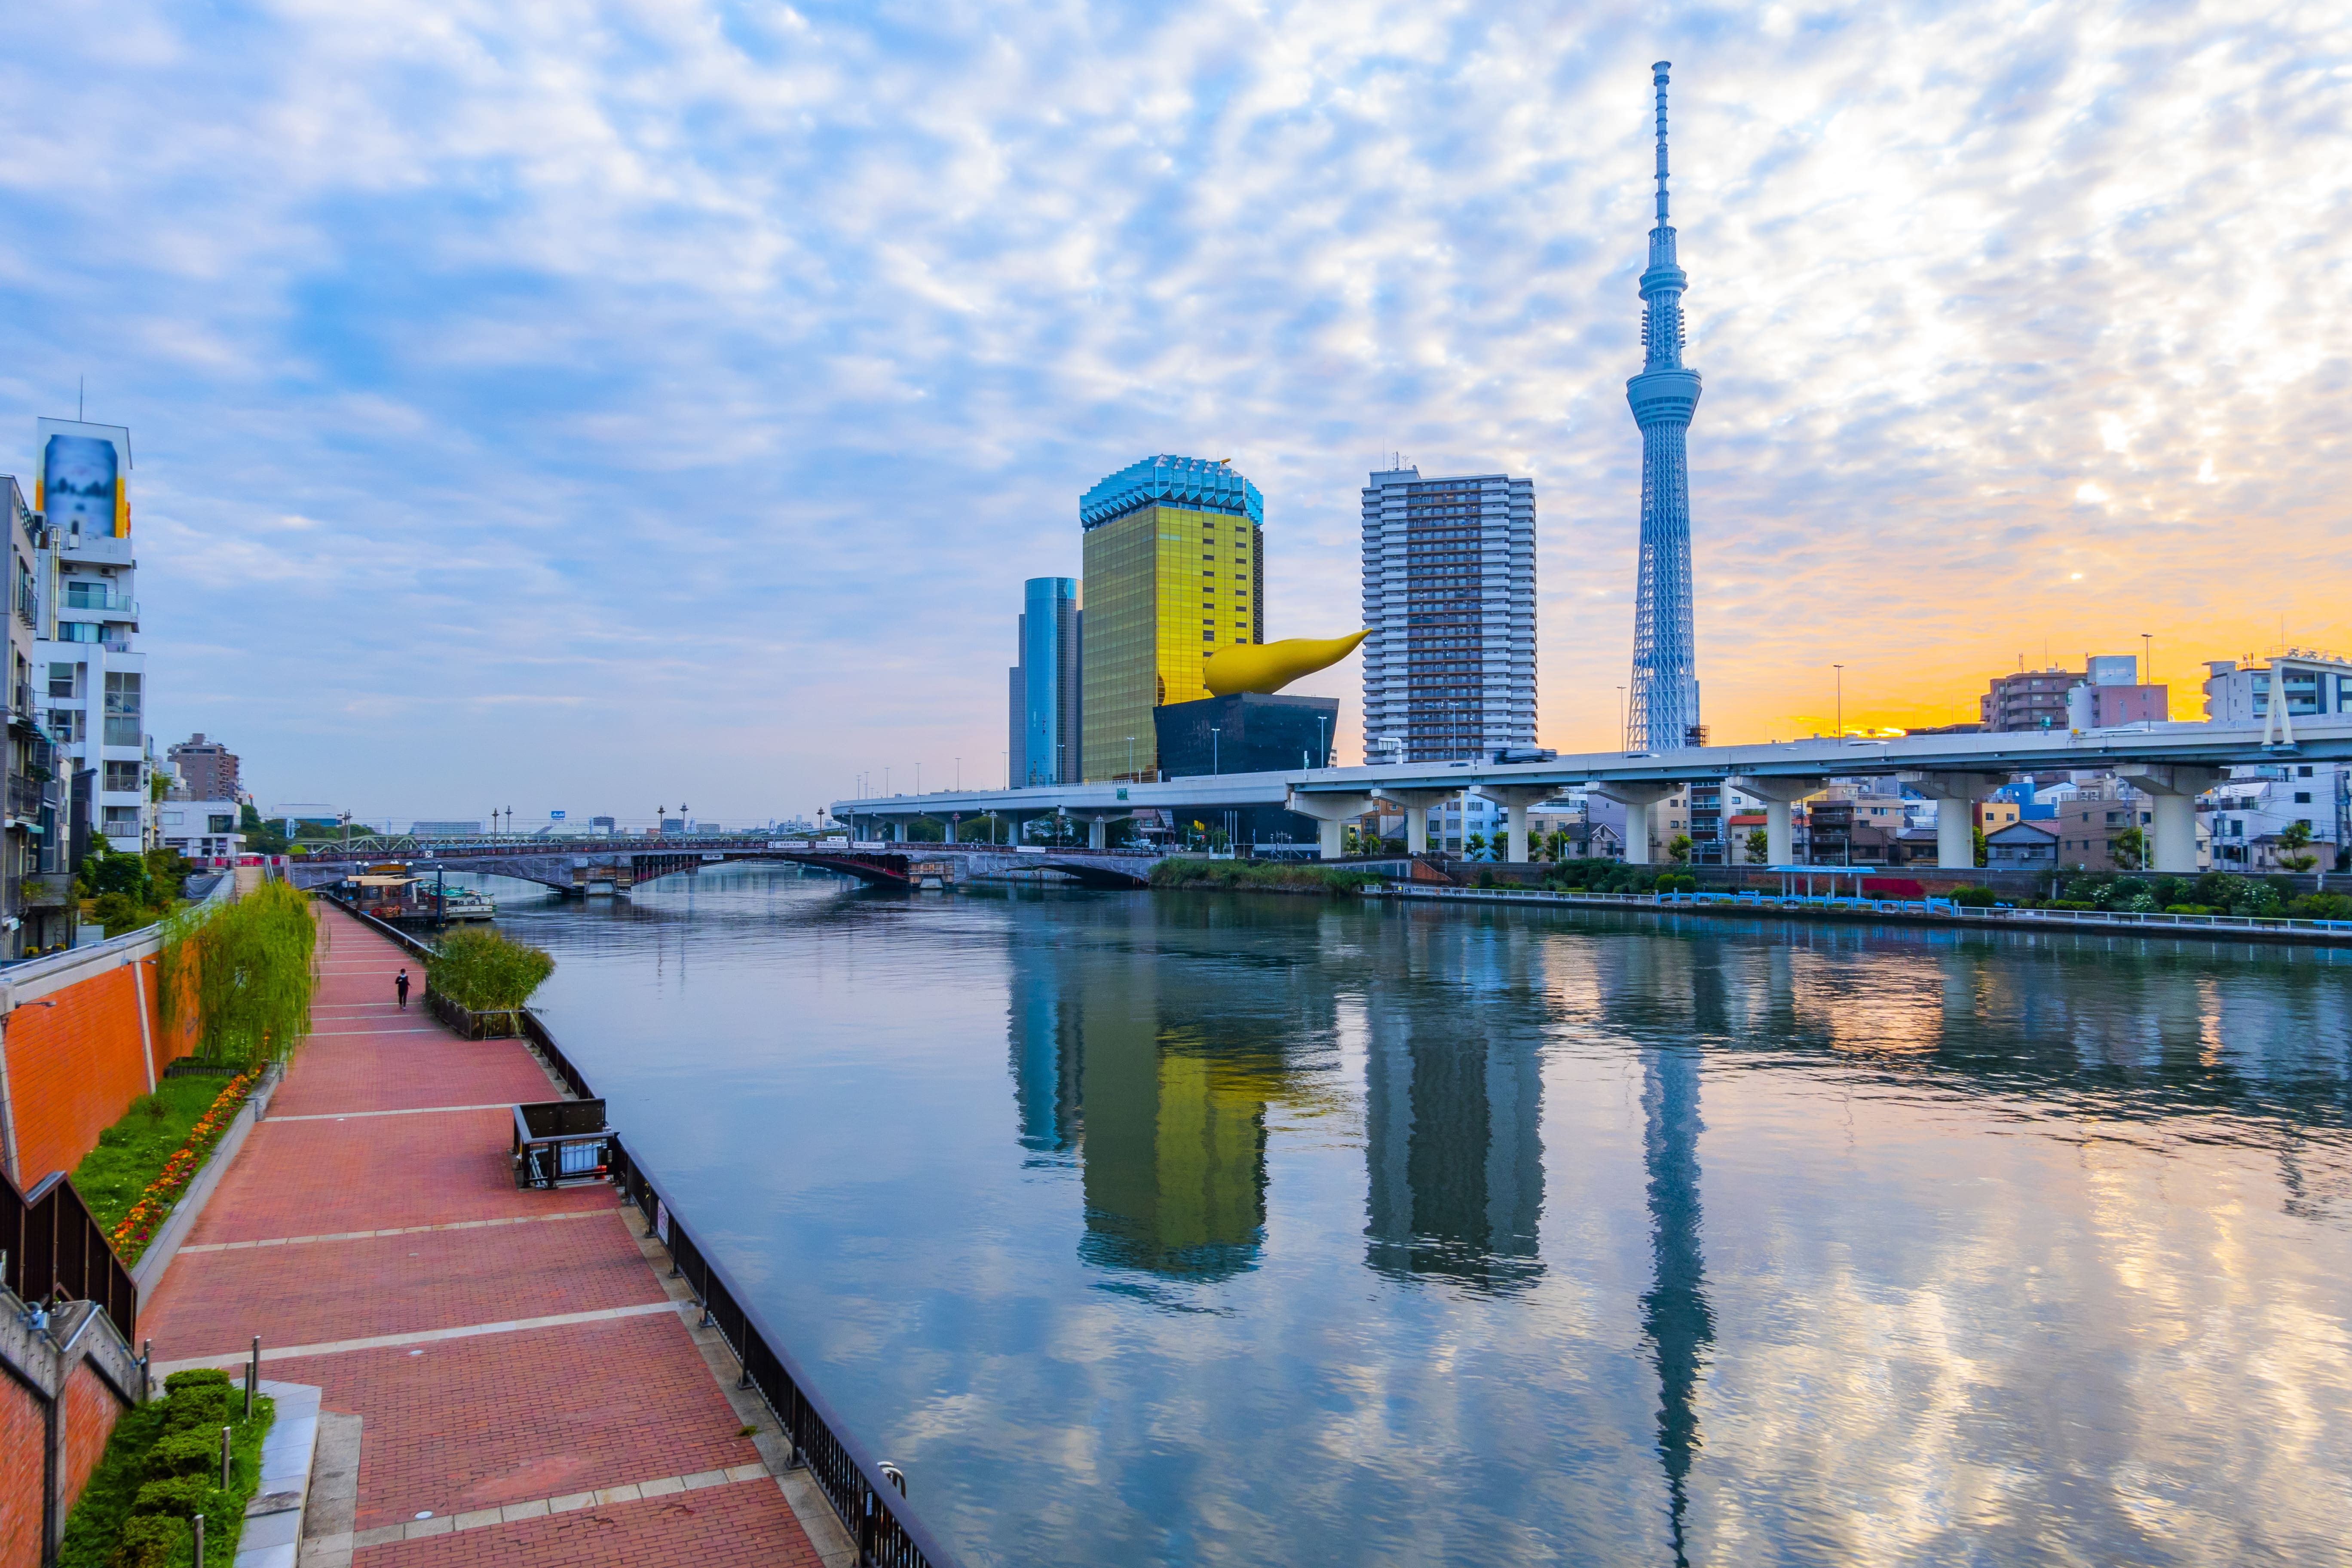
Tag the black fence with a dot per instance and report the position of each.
(868, 1494)
(55, 1247)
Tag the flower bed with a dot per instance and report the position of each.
(137, 1227)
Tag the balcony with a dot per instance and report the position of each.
(28, 796)
(44, 890)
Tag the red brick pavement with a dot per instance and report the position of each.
(218, 1300)
(377, 1172)
(723, 1526)
(478, 1423)
(452, 1425)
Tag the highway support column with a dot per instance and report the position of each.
(1417, 803)
(1777, 795)
(1515, 799)
(1636, 796)
(1331, 812)
(1956, 795)
(2172, 789)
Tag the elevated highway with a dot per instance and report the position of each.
(2172, 764)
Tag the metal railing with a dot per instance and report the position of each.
(1938, 908)
(56, 1248)
(866, 1492)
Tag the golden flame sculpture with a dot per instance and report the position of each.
(1267, 668)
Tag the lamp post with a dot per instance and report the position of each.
(1215, 766)
(1320, 750)
(1130, 759)
(1841, 702)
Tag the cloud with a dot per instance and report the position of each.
(707, 378)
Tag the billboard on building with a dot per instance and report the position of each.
(82, 480)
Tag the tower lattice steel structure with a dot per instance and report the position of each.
(1664, 710)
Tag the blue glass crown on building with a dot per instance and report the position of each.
(1197, 483)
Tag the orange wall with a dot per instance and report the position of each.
(23, 1437)
(90, 1412)
(74, 1069)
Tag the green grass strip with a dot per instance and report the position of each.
(1247, 874)
(158, 1130)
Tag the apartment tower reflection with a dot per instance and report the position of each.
(1454, 1119)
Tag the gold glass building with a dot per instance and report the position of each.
(1175, 570)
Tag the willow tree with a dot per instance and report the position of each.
(245, 969)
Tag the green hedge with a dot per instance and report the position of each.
(482, 970)
(162, 1467)
(1245, 874)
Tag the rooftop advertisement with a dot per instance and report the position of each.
(83, 479)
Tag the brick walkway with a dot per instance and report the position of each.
(604, 1439)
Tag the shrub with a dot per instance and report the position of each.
(2188, 909)
(189, 1451)
(182, 1497)
(195, 1377)
(483, 971)
(1975, 898)
(151, 1540)
(2322, 907)
(246, 966)
(206, 1408)
(1486, 879)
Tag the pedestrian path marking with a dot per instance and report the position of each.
(400, 1230)
(514, 1512)
(321, 1034)
(430, 1336)
(417, 1110)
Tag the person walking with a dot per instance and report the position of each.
(400, 984)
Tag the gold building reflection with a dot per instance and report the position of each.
(1166, 1121)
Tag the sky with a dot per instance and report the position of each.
(606, 406)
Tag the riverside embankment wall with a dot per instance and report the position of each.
(82, 1035)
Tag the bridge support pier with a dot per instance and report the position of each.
(1515, 799)
(1955, 796)
(1777, 795)
(1098, 833)
(1331, 812)
(1417, 803)
(1637, 796)
(2172, 790)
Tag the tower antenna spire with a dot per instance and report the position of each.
(1658, 78)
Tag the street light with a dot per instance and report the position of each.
(1213, 732)
(1841, 702)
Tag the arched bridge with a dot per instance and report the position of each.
(578, 868)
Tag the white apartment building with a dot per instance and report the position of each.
(2247, 814)
(2239, 691)
(91, 685)
(200, 829)
(1449, 596)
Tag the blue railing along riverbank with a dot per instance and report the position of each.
(867, 1493)
(1924, 911)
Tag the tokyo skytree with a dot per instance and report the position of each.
(1662, 713)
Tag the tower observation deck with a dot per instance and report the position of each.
(1662, 713)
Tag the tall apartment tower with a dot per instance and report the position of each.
(1662, 711)
(208, 768)
(1450, 600)
(1047, 739)
(1174, 571)
(91, 681)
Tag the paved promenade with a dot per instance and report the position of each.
(521, 1380)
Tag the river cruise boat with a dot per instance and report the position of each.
(404, 897)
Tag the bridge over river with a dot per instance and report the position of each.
(581, 866)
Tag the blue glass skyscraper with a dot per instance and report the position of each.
(1045, 695)
(1662, 711)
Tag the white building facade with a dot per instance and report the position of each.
(1449, 597)
(90, 682)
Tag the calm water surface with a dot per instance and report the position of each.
(1245, 1229)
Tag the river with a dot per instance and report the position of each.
(1211, 1229)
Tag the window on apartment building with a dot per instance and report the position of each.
(122, 778)
(2303, 797)
(121, 821)
(65, 726)
(220, 823)
(64, 680)
(122, 707)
